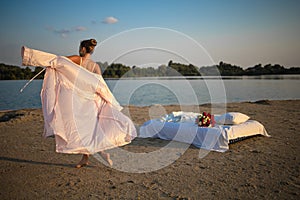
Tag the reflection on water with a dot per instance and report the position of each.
(169, 90)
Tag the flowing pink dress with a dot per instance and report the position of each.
(78, 107)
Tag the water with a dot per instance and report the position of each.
(172, 90)
(11, 98)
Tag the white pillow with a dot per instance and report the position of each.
(231, 118)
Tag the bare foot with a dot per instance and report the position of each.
(106, 157)
(128, 138)
(84, 161)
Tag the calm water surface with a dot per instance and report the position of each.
(166, 91)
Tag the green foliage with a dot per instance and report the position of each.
(229, 70)
(184, 70)
(115, 71)
(9, 72)
(267, 69)
(225, 69)
(37, 70)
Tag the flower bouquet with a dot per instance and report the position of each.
(205, 120)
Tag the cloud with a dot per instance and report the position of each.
(80, 28)
(63, 32)
(66, 31)
(110, 20)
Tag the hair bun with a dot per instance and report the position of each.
(93, 42)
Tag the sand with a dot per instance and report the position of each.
(256, 168)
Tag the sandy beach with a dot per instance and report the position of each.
(255, 168)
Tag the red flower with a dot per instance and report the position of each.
(206, 119)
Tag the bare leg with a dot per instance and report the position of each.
(84, 161)
(106, 157)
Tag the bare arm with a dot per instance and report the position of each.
(97, 69)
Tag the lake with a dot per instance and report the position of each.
(170, 90)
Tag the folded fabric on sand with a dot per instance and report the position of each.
(217, 138)
(78, 107)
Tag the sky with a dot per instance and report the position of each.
(152, 32)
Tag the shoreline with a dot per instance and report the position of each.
(216, 76)
(166, 105)
(255, 168)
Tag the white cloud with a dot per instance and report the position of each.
(110, 20)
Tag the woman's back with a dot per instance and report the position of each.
(86, 63)
(90, 65)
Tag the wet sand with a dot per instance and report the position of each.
(255, 168)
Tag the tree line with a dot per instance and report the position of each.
(178, 69)
(117, 70)
(10, 72)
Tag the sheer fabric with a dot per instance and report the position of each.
(78, 107)
(89, 65)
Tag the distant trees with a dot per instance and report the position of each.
(225, 69)
(118, 70)
(184, 70)
(9, 72)
(36, 71)
(115, 70)
(230, 70)
(267, 69)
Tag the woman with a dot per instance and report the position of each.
(86, 49)
(78, 107)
